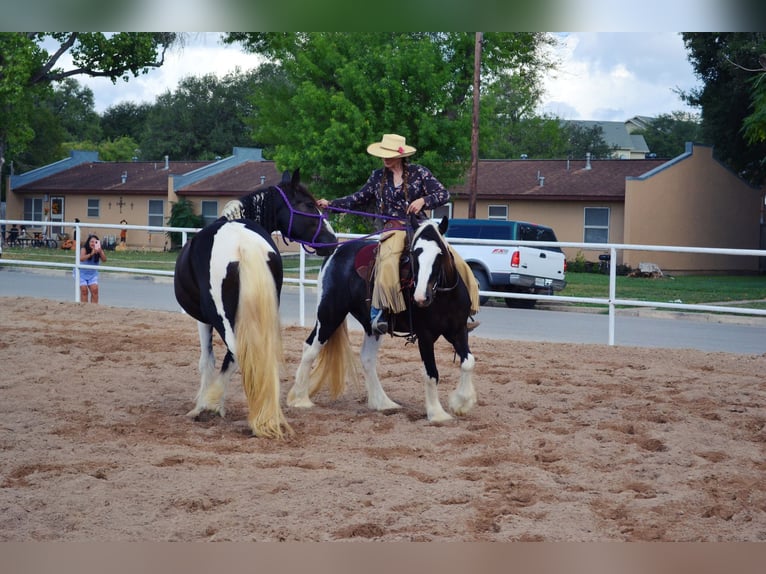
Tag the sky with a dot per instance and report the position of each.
(603, 76)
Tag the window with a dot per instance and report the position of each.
(33, 209)
(441, 211)
(596, 228)
(497, 212)
(209, 211)
(94, 207)
(156, 213)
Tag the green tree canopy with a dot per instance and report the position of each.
(724, 63)
(30, 62)
(325, 96)
(667, 135)
(203, 118)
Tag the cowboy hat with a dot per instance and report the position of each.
(391, 146)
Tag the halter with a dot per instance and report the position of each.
(306, 244)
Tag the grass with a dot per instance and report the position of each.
(690, 289)
(154, 260)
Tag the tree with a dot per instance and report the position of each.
(667, 134)
(203, 118)
(28, 68)
(755, 123)
(327, 95)
(728, 96)
(125, 119)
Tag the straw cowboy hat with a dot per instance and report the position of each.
(391, 146)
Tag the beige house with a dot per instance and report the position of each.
(136, 193)
(691, 200)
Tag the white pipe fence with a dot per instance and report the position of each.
(611, 301)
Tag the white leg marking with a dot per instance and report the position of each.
(463, 398)
(211, 389)
(299, 393)
(377, 399)
(434, 409)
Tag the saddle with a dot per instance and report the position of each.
(364, 265)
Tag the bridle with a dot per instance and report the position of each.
(321, 217)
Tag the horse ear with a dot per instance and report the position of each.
(296, 178)
(443, 225)
(286, 176)
(414, 223)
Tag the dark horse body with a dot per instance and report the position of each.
(229, 278)
(438, 304)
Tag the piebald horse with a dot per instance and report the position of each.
(229, 278)
(438, 304)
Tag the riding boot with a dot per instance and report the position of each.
(379, 321)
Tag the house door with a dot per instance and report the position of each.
(57, 215)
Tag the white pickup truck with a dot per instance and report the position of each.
(510, 268)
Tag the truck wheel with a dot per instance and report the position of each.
(481, 279)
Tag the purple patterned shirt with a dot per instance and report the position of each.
(391, 201)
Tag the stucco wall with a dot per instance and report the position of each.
(695, 202)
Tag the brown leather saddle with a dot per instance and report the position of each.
(364, 264)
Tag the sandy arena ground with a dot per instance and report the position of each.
(567, 442)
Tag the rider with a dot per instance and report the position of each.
(397, 189)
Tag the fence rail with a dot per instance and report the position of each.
(611, 301)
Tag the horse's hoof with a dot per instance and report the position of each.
(442, 417)
(461, 405)
(300, 404)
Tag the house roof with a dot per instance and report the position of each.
(238, 180)
(555, 180)
(105, 178)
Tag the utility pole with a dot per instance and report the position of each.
(475, 128)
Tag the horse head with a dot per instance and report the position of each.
(299, 218)
(431, 259)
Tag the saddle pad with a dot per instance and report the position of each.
(365, 259)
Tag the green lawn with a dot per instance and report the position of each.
(688, 289)
(155, 260)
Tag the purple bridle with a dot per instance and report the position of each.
(305, 244)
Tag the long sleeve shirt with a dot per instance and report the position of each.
(391, 201)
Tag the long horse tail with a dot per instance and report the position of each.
(259, 342)
(335, 363)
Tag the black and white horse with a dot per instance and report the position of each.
(438, 304)
(229, 278)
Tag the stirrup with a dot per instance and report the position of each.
(472, 325)
(379, 323)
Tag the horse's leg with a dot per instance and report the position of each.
(376, 396)
(298, 396)
(434, 409)
(463, 398)
(212, 385)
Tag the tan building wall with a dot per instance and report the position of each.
(567, 218)
(695, 202)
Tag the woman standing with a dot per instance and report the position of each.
(91, 254)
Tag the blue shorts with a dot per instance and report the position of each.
(88, 277)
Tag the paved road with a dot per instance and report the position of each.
(746, 335)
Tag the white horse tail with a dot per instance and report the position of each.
(335, 363)
(259, 341)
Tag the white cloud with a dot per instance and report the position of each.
(615, 76)
(203, 53)
(602, 76)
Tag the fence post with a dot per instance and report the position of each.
(612, 291)
(76, 269)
